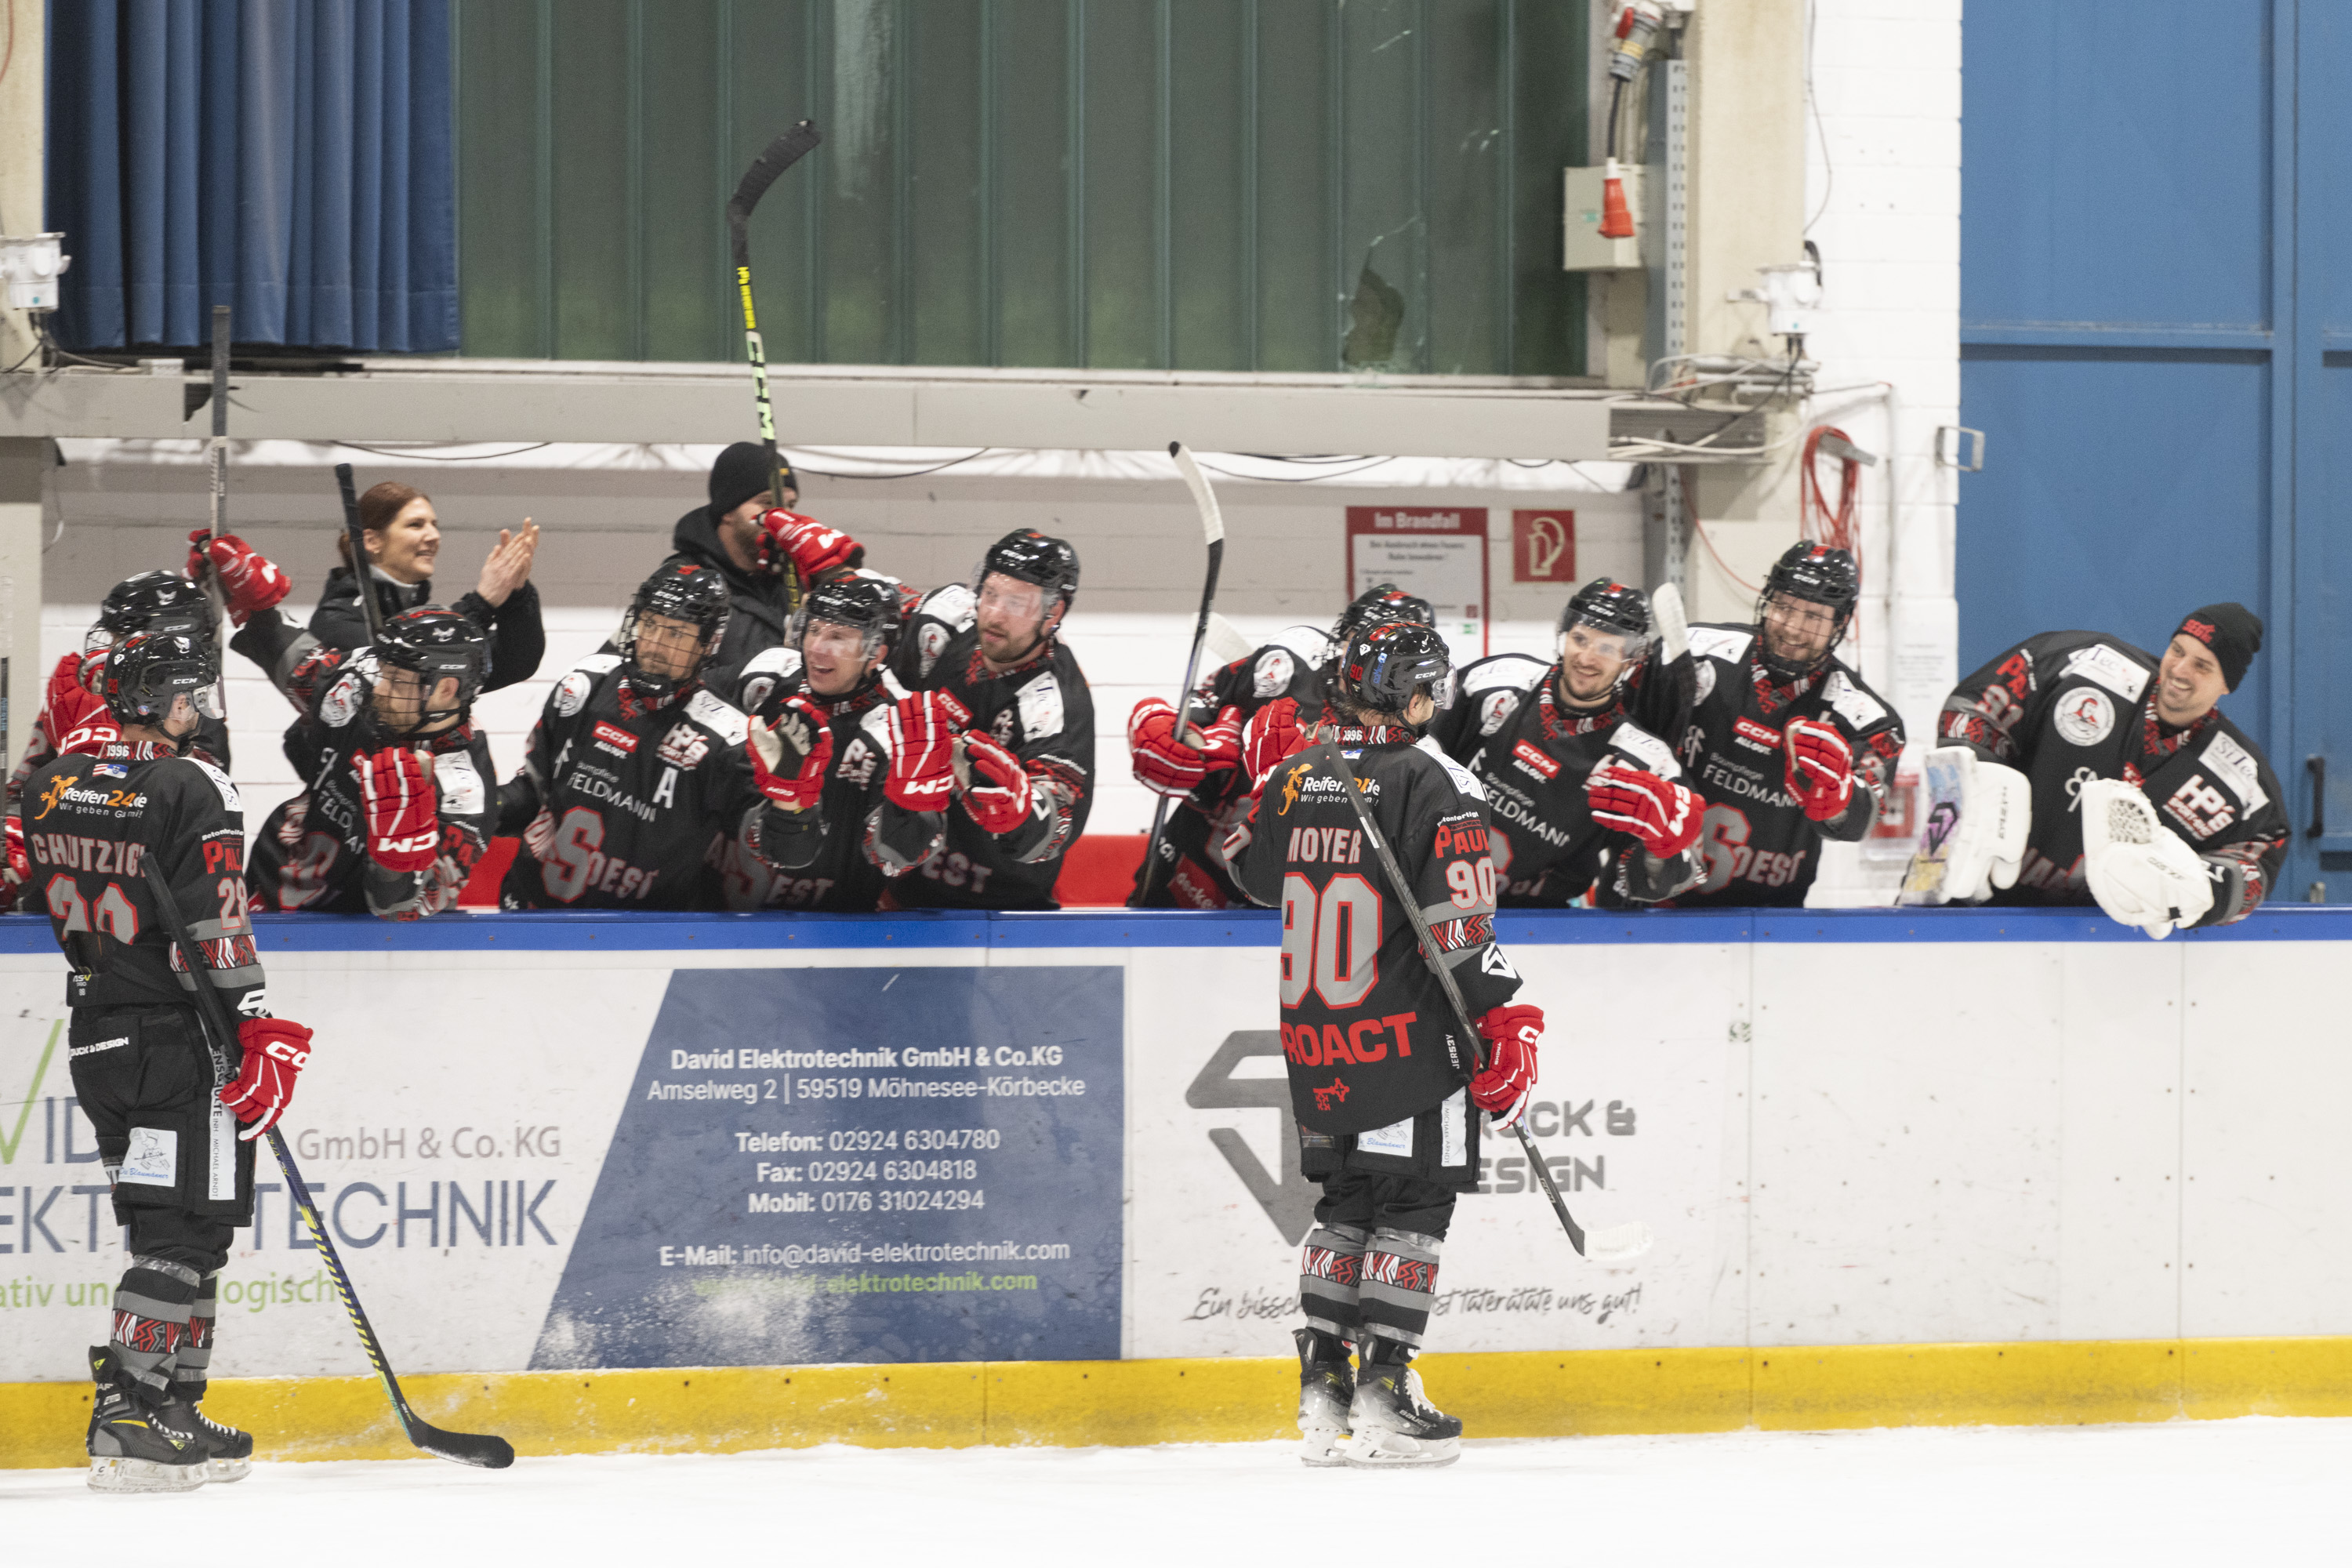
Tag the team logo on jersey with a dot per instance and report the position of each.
(342, 700)
(2200, 808)
(1274, 673)
(1495, 708)
(2074, 783)
(1760, 736)
(2085, 717)
(572, 691)
(684, 747)
(1290, 788)
(1329, 1093)
(857, 763)
(1530, 757)
(615, 739)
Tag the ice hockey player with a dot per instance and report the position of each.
(1201, 771)
(842, 637)
(398, 803)
(997, 742)
(1577, 793)
(636, 775)
(1384, 1090)
(181, 1172)
(746, 534)
(402, 534)
(2042, 720)
(1785, 744)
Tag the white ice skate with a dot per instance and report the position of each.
(1325, 1388)
(1393, 1424)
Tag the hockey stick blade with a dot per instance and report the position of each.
(480, 1449)
(1213, 520)
(1618, 1242)
(1673, 627)
(779, 155)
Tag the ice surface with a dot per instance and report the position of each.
(2253, 1491)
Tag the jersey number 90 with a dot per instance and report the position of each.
(1330, 941)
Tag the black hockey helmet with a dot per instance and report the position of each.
(1609, 605)
(1376, 606)
(149, 601)
(1385, 666)
(1815, 574)
(1029, 556)
(436, 644)
(868, 602)
(147, 671)
(681, 591)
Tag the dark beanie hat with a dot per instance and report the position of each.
(2233, 632)
(741, 473)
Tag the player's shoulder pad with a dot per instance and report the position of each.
(1847, 698)
(1464, 779)
(2109, 662)
(1730, 644)
(1518, 671)
(718, 716)
(2236, 763)
(764, 672)
(952, 604)
(1654, 755)
(346, 694)
(1040, 702)
(459, 783)
(220, 781)
(875, 726)
(571, 692)
(1272, 669)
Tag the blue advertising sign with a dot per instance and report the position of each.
(859, 1165)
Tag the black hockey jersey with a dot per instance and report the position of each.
(842, 876)
(628, 806)
(311, 853)
(1367, 1033)
(1194, 873)
(1760, 848)
(90, 820)
(1044, 714)
(1532, 754)
(2065, 708)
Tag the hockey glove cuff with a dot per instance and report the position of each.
(995, 786)
(1662, 815)
(791, 754)
(249, 581)
(404, 823)
(1820, 768)
(808, 544)
(276, 1052)
(1502, 1087)
(922, 728)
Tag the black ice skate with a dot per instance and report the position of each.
(228, 1453)
(1326, 1385)
(1393, 1424)
(139, 1440)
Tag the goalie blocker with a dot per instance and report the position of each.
(2014, 817)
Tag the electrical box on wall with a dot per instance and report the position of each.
(1583, 248)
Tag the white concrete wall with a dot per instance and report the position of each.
(126, 507)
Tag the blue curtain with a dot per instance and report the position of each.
(290, 158)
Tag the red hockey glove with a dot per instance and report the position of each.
(1166, 763)
(791, 754)
(922, 774)
(249, 580)
(1503, 1085)
(1820, 768)
(91, 736)
(995, 785)
(1272, 735)
(807, 543)
(18, 866)
(276, 1052)
(404, 820)
(1663, 815)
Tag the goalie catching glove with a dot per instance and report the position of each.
(1168, 762)
(276, 1052)
(1501, 1088)
(2142, 873)
(1661, 814)
(790, 754)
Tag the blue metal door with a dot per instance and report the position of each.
(2154, 229)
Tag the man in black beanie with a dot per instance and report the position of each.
(748, 534)
(2026, 734)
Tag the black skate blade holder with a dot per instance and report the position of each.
(481, 1450)
(1610, 1244)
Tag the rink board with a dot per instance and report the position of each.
(1847, 1129)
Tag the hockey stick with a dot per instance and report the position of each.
(480, 1450)
(1212, 530)
(780, 154)
(362, 572)
(1610, 1244)
(216, 459)
(1674, 641)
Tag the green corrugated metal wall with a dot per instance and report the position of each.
(1209, 185)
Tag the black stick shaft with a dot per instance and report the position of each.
(216, 454)
(778, 156)
(1184, 709)
(1327, 753)
(360, 570)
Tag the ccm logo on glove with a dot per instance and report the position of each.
(276, 1052)
(1503, 1085)
(404, 825)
